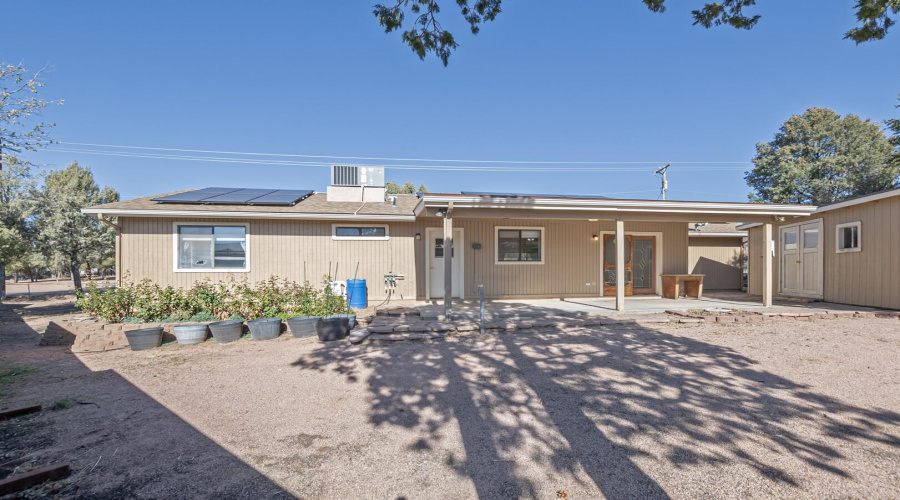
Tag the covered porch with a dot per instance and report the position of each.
(619, 223)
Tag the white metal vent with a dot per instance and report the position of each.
(352, 175)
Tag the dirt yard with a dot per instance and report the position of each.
(780, 409)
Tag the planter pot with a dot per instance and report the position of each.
(332, 328)
(145, 338)
(303, 326)
(190, 334)
(350, 317)
(227, 331)
(265, 328)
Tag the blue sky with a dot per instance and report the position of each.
(595, 81)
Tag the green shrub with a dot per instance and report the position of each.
(146, 301)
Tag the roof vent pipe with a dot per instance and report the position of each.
(393, 201)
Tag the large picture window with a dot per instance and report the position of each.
(520, 245)
(214, 248)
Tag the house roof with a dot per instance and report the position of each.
(857, 200)
(315, 206)
(716, 230)
(740, 211)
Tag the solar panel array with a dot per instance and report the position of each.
(238, 196)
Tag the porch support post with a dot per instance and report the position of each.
(448, 260)
(768, 248)
(620, 265)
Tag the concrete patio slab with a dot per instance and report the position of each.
(496, 310)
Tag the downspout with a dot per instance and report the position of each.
(118, 230)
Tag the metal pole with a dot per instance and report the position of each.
(481, 300)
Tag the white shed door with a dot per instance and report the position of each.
(800, 247)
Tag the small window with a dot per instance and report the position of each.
(790, 240)
(214, 248)
(848, 237)
(810, 238)
(520, 245)
(346, 232)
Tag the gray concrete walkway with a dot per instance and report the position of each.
(641, 305)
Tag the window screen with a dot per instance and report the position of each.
(360, 231)
(212, 247)
(519, 245)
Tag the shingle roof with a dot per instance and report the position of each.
(315, 204)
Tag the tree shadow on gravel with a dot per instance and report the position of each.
(588, 402)
(119, 441)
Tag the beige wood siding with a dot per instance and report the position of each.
(295, 250)
(719, 259)
(870, 277)
(754, 261)
(284, 248)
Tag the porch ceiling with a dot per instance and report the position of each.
(525, 207)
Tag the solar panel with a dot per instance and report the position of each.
(195, 196)
(282, 197)
(238, 196)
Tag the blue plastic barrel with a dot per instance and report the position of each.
(356, 294)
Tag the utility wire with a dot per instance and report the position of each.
(160, 156)
(430, 160)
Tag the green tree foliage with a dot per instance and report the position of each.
(12, 246)
(893, 125)
(426, 35)
(64, 230)
(821, 157)
(408, 187)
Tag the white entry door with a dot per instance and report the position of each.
(436, 252)
(801, 259)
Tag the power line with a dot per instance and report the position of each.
(375, 158)
(251, 161)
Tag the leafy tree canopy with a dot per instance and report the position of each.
(821, 157)
(426, 35)
(408, 187)
(19, 103)
(63, 228)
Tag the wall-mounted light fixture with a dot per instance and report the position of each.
(595, 237)
(418, 236)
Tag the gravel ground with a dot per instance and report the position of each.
(780, 409)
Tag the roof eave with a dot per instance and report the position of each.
(246, 215)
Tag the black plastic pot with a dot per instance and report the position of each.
(351, 318)
(264, 328)
(190, 334)
(303, 326)
(145, 338)
(333, 328)
(227, 331)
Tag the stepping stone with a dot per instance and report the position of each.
(420, 328)
(467, 327)
(401, 328)
(691, 321)
(358, 336)
(526, 325)
(442, 326)
(427, 336)
(386, 328)
(388, 336)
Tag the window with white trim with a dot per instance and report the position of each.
(519, 245)
(848, 237)
(218, 248)
(359, 232)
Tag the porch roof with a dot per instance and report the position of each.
(582, 207)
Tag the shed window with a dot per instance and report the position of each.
(342, 232)
(212, 247)
(848, 237)
(520, 245)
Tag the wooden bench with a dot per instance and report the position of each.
(674, 284)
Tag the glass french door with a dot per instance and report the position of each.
(640, 261)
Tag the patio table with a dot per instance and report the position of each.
(691, 284)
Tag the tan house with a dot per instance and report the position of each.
(715, 250)
(846, 252)
(517, 246)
